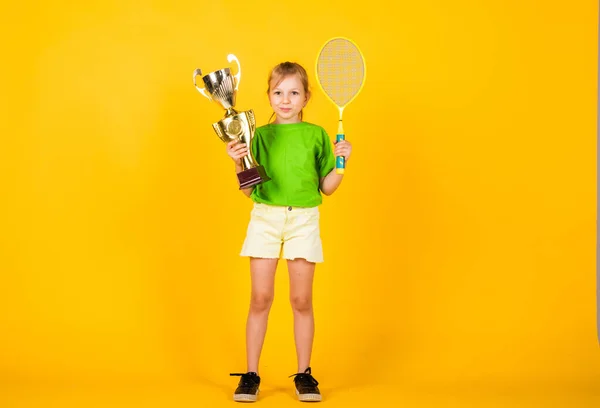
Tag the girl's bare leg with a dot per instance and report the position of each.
(301, 283)
(263, 282)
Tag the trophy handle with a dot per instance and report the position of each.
(222, 135)
(197, 72)
(251, 120)
(237, 76)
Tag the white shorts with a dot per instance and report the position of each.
(283, 232)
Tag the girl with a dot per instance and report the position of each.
(284, 222)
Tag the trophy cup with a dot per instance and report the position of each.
(221, 87)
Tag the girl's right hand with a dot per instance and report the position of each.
(236, 150)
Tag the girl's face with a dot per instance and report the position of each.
(287, 99)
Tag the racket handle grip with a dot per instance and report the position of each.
(340, 161)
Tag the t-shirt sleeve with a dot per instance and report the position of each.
(325, 158)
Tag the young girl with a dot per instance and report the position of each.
(284, 222)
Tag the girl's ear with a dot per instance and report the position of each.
(307, 98)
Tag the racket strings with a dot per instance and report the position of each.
(340, 70)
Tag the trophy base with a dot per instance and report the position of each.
(252, 177)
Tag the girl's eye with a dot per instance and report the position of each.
(295, 93)
(276, 93)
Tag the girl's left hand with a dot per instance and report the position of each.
(343, 148)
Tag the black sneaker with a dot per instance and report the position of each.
(306, 387)
(247, 388)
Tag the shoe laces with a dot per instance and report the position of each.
(305, 378)
(247, 380)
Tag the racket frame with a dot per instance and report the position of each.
(340, 162)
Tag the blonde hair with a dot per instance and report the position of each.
(283, 70)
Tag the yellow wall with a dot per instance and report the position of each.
(461, 244)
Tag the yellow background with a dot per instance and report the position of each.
(460, 249)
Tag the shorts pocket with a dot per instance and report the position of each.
(259, 212)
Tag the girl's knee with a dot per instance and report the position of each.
(261, 302)
(301, 304)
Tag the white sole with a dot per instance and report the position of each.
(308, 397)
(245, 397)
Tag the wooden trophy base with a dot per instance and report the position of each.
(252, 177)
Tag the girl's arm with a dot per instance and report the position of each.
(236, 151)
(332, 180)
(238, 169)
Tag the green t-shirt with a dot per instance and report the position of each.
(295, 157)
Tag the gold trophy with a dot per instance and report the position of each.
(221, 87)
